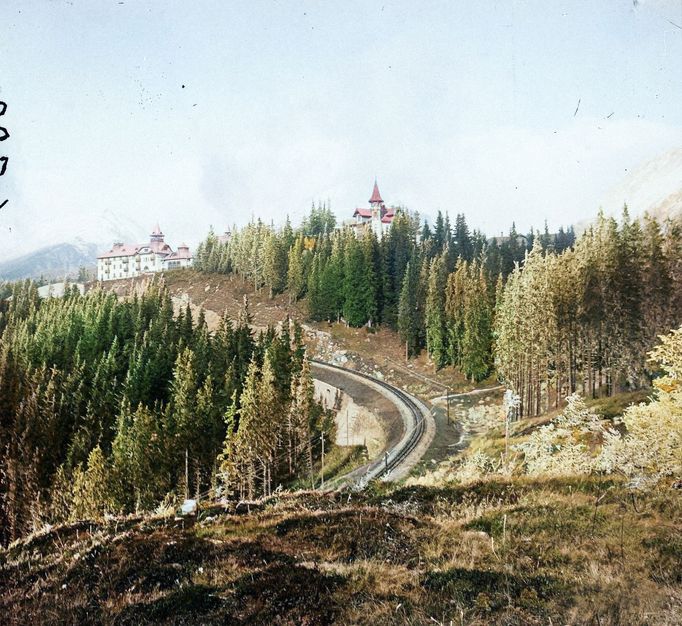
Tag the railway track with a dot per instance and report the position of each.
(414, 431)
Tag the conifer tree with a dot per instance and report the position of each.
(296, 273)
(91, 496)
(256, 436)
(455, 300)
(462, 239)
(227, 459)
(372, 261)
(247, 439)
(274, 264)
(397, 249)
(271, 411)
(317, 308)
(408, 310)
(299, 421)
(477, 335)
(359, 303)
(436, 339)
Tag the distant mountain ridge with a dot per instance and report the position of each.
(654, 187)
(56, 261)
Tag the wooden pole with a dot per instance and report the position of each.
(186, 474)
(322, 438)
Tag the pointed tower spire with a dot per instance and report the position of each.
(156, 235)
(376, 196)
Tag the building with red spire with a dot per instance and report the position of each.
(127, 260)
(376, 196)
(377, 217)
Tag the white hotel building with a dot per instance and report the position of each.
(129, 260)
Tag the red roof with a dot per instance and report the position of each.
(388, 218)
(159, 247)
(182, 253)
(363, 212)
(131, 249)
(376, 196)
(121, 249)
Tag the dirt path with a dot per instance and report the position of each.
(454, 434)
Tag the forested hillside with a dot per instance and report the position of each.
(109, 406)
(550, 314)
(119, 405)
(584, 320)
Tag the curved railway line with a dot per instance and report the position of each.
(395, 456)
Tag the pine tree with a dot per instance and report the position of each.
(331, 284)
(274, 264)
(271, 412)
(91, 496)
(455, 295)
(317, 308)
(359, 303)
(372, 261)
(462, 240)
(228, 469)
(439, 238)
(246, 445)
(299, 421)
(436, 338)
(296, 272)
(256, 437)
(397, 249)
(408, 312)
(477, 335)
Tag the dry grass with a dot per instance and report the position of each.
(493, 553)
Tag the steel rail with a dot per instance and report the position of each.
(393, 457)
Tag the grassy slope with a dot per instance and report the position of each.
(492, 553)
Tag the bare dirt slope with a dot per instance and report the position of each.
(376, 351)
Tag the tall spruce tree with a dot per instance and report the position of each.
(408, 310)
(359, 303)
(436, 334)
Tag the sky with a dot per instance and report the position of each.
(125, 112)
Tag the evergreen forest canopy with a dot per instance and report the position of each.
(551, 314)
(111, 406)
